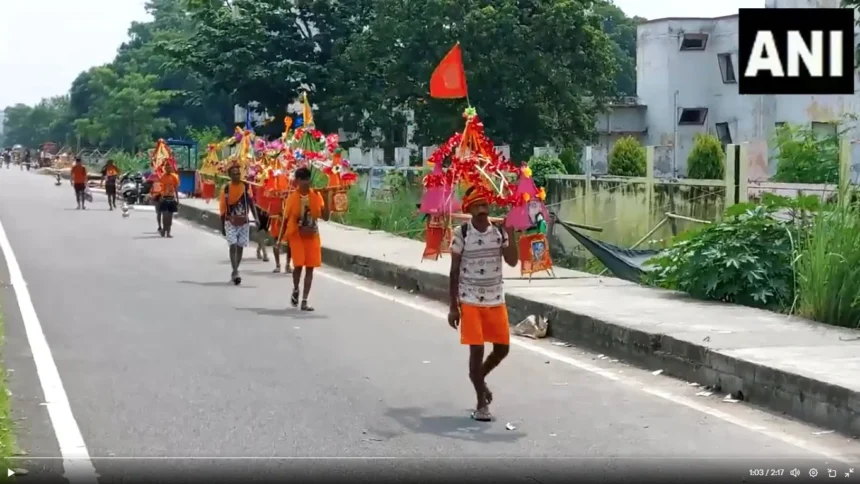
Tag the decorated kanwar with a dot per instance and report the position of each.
(480, 245)
(165, 186)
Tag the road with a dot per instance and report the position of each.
(161, 359)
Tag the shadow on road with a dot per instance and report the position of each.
(147, 237)
(453, 427)
(291, 313)
(217, 284)
(88, 209)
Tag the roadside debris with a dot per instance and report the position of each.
(704, 394)
(823, 432)
(561, 343)
(656, 372)
(510, 426)
(534, 327)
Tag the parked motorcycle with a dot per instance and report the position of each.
(134, 188)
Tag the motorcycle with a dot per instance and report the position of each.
(134, 188)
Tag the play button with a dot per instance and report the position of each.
(10, 473)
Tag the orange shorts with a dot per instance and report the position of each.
(305, 251)
(482, 324)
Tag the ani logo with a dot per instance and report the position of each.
(796, 50)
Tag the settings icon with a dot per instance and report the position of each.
(813, 472)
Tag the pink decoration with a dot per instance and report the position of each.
(439, 200)
(522, 217)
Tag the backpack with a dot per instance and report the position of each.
(464, 229)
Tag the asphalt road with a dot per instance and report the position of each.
(161, 359)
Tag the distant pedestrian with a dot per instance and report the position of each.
(110, 173)
(304, 207)
(236, 207)
(168, 203)
(478, 307)
(262, 232)
(79, 178)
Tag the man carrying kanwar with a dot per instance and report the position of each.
(477, 296)
(302, 210)
(236, 206)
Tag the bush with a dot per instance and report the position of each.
(805, 157)
(542, 166)
(627, 158)
(707, 160)
(571, 159)
(746, 259)
(828, 268)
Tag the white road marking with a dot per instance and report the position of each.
(415, 303)
(804, 444)
(77, 465)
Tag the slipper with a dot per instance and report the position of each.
(294, 299)
(305, 306)
(277, 270)
(482, 415)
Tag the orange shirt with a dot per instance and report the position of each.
(111, 171)
(169, 184)
(79, 174)
(294, 207)
(236, 191)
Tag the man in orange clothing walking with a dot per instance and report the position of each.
(477, 294)
(79, 182)
(304, 207)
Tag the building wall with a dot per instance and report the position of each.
(669, 78)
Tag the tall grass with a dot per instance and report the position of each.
(828, 268)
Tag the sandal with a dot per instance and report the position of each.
(488, 394)
(294, 299)
(305, 306)
(265, 257)
(277, 270)
(482, 415)
(234, 277)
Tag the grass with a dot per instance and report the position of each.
(7, 430)
(828, 268)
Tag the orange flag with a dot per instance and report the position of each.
(449, 79)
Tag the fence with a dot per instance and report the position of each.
(627, 208)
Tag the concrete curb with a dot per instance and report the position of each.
(805, 398)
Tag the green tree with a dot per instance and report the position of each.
(31, 126)
(125, 110)
(268, 51)
(627, 158)
(537, 73)
(621, 29)
(707, 160)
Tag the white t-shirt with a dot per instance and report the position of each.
(481, 265)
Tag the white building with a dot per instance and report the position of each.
(687, 84)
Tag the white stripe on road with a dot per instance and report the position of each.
(427, 308)
(77, 465)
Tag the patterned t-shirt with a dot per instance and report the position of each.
(481, 265)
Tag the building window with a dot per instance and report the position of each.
(693, 116)
(727, 68)
(694, 41)
(824, 129)
(724, 133)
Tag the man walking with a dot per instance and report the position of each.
(304, 207)
(168, 203)
(477, 294)
(236, 207)
(109, 175)
(79, 182)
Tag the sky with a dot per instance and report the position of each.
(74, 35)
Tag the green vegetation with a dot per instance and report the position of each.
(804, 156)
(707, 160)
(369, 62)
(745, 259)
(828, 267)
(542, 166)
(7, 428)
(627, 158)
